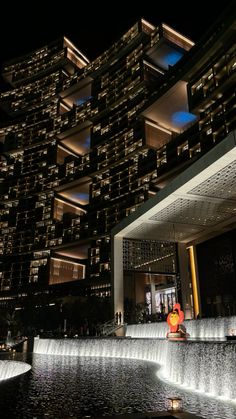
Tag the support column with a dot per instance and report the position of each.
(117, 275)
(194, 280)
(185, 281)
(153, 290)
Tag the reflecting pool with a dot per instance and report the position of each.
(62, 387)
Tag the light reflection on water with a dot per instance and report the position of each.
(60, 387)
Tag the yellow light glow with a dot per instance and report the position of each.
(146, 23)
(65, 106)
(67, 150)
(152, 124)
(194, 281)
(70, 205)
(174, 404)
(78, 58)
(68, 261)
(153, 67)
(76, 49)
(179, 35)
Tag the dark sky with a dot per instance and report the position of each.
(92, 25)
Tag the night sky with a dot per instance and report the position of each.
(92, 26)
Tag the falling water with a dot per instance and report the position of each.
(147, 330)
(9, 339)
(202, 328)
(209, 367)
(211, 328)
(9, 369)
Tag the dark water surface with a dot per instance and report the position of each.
(70, 387)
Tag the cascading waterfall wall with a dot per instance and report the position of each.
(9, 369)
(203, 328)
(206, 366)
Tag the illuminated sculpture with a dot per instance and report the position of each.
(175, 319)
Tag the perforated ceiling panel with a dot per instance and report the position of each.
(153, 231)
(220, 185)
(196, 212)
(149, 255)
(197, 205)
(164, 231)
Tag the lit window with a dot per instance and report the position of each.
(199, 86)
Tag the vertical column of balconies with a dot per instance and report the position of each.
(31, 172)
(128, 150)
(211, 95)
(118, 148)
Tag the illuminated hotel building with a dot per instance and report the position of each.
(87, 143)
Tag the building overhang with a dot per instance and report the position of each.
(76, 192)
(77, 139)
(198, 204)
(170, 111)
(76, 252)
(78, 93)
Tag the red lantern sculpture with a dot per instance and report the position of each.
(175, 319)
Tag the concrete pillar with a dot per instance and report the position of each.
(117, 275)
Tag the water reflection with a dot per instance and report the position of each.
(59, 387)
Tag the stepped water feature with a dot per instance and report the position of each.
(9, 369)
(198, 329)
(201, 366)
